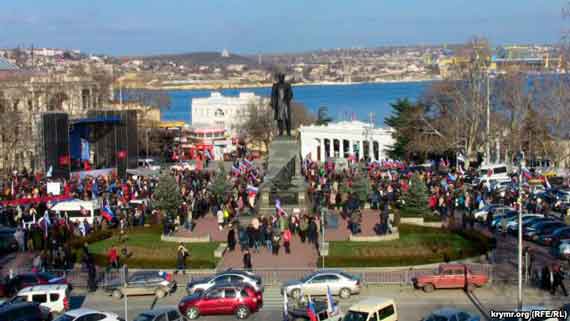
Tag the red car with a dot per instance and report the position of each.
(450, 276)
(238, 299)
(23, 280)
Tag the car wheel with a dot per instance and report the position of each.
(296, 294)
(193, 313)
(160, 293)
(428, 288)
(344, 293)
(117, 294)
(242, 312)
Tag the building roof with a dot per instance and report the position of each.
(6, 65)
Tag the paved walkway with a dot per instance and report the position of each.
(303, 255)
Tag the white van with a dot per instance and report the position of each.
(54, 297)
(73, 210)
(495, 172)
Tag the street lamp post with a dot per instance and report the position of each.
(520, 238)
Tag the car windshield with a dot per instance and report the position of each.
(65, 317)
(144, 317)
(355, 316)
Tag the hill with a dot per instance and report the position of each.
(204, 59)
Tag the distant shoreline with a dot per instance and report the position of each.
(268, 85)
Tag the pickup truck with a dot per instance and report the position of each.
(450, 276)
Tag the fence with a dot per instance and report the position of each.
(275, 277)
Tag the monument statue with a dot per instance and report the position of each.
(281, 95)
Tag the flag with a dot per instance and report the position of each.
(107, 213)
(50, 171)
(280, 210)
(236, 171)
(252, 189)
(526, 173)
(311, 311)
(285, 308)
(207, 154)
(451, 177)
(331, 306)
(248, 164)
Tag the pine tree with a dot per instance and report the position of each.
(416, 199)
(402, 121)
(361, 186)
(167, 195)
(220, 187)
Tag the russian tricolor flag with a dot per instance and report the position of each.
(107, 213)
(311, 311)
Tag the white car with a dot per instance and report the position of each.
(564, 249)
(228, 276)
(481, 215)
(148, 163)
(54, 297)
(88, 314)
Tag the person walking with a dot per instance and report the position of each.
(231, 239)
(276, 238)
(557, 279)
(247, 260)
(181, 254)
(287, 241)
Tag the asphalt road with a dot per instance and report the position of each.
(412, 304)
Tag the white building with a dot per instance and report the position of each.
(223, 111)
(342, 139)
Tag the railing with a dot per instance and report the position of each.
(275, 276)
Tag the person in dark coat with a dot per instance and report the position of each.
(181, 254)
(91, 274)
(232, 239)
(247, 260)
(557, 280)
(545, 278)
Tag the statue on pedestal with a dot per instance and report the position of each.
(281, 96)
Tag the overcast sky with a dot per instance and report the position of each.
(129, 27)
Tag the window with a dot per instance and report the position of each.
(173, 315)
(161, 317)
(230, 293)
(459, 272)
(386, 313)
(30, 279)
(462, 316)
(447, 272)
(53, 297)
(243, 293)
(319, 279)
(215, 294)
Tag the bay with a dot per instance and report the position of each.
(344, 101)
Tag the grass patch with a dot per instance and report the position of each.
(148, 251)
(417, 245)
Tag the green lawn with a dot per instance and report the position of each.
(417, 245)
(148, 251)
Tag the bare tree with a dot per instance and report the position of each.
(258, 125)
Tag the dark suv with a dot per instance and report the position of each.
(24, 312)
(238, 299)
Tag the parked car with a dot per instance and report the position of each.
(238, 299)
(160, 314)
(547, 227)
(24, 280)
(228, 276)
(340, 283)
(373, 309)
(564, 249)
(53, 297)
(451, 314)
(142, 283)
(297, 311)
(88, 314)
(554, 236)
(148, 163)
(24, 311)
(495, 209)
(450, 276)
(513, 223)
(497, 219)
